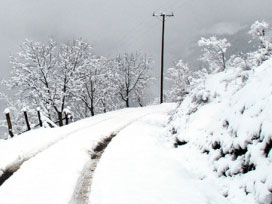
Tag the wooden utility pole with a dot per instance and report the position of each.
(163, 15)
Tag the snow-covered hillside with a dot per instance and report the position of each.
(227, 122)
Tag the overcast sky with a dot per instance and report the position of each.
(118, 26)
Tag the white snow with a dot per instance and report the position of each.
(6, 111)
(232, 127)
(56, 157)
(226, 127)
(137, 167)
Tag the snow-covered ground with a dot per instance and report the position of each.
(55, 158)
(222, 131)
(138, 167)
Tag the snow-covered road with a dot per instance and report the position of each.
(138, 165)
(52, 168)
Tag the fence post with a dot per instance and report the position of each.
(9, 122)
(26, 119)
(39, 116)
(66, 118)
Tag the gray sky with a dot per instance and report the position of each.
(114, 27)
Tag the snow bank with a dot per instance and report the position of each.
(228, 118)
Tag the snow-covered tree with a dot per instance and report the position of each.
(180, 76)
(44, 74)
(74, 58)
(34, 68)
(108, 100)
(94, 88)
(182, 80)
(130, 77)
(214, 52)
(258, 31)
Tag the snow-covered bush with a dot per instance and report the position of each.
(233, 129)
(240, 61)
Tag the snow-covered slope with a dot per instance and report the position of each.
(228, 119)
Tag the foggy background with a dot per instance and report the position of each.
(119, 26)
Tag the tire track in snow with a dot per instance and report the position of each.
(8, 172)
(83, 187)
(114, 124)
(81, 195)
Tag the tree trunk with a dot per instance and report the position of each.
(127, 98)
(127, 102)
(92, 110)
(60, 119)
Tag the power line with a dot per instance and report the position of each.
(144, 21)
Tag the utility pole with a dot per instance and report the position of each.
(163, 15)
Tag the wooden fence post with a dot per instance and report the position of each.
(66, 118)
(9, 122)
(26, 119)
(39, 116)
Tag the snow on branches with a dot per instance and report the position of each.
(258, 31)
(54, 76)
(214, 53)
(131, 75)
(45, 73)
(181, 78)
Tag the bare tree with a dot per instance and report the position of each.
(130, 77)
(94, 89)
